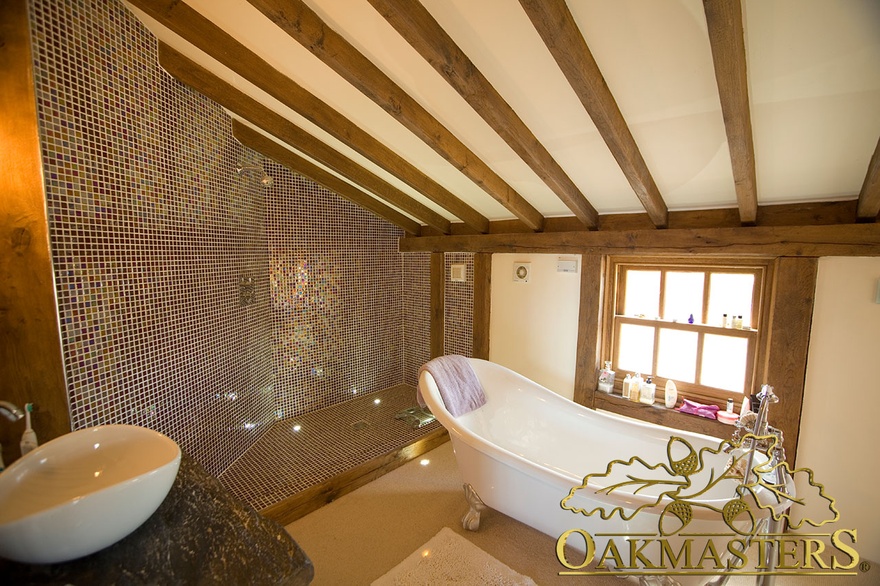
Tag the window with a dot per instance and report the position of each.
(695, 322)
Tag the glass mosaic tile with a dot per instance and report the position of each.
(301, 452)
(153, 233)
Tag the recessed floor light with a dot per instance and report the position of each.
(424, 461)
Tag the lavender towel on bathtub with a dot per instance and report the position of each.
(457, 382)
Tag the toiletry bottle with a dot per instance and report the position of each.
(606, 378)
(636, 389)
(626, 386)
(730, 405)
(647, 391)
(738, 322)
(670, 395)
(724, 321)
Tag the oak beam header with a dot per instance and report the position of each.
(832, 240)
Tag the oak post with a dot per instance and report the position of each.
(438, 303)
(788, 341)
(589, 337)
(31, 364)
(482, 304)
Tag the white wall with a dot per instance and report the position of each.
(533, 326)
(839, 422)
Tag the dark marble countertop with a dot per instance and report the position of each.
(200, 534)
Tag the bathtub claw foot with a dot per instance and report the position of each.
(471, 520)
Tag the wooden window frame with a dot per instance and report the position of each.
(782, 351)
(761, 267)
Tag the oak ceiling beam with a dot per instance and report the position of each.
(306, 27)
(269, 148)
(832, 240)
(869, 197)
(418, 27)
(817, 213)
(725, 21)
(554, 22)
(209, 85)
(202, 33)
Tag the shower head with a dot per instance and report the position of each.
(265, 180)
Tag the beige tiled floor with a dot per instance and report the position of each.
(301, 452)
(362, 535)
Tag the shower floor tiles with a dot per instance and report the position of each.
(301, 453)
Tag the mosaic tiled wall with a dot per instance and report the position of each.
(459, 306)
(417, 314)
(458, 314)
(158, 244)
(152, 232)
(336, 289)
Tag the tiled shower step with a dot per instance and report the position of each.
(346, 440)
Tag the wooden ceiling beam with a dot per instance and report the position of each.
(818, 213)
(869, 197)
(202, 33)
(209, 85)
(418, 27)
(269, 148)
(557, 27)
(302, 24)
(832, 240)
(724, 18)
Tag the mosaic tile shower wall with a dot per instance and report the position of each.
(152, 233)
(459, 306)
(193, 300)
(417, 314)
(336, 295)
(458, 314)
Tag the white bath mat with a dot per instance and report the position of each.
(449, 558)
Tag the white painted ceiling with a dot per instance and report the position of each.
(814, 87)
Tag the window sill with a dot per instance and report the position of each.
(660, 415)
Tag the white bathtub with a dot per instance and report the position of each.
(527, 448)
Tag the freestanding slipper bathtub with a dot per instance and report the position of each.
(588, 478)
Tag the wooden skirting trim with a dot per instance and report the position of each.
(312, 499)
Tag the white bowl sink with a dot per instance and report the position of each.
(83, 491)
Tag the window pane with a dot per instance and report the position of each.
(684, 296)
(677, 355)
(730, 293)
(724, 362)
(636, 348)
(642, 296)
